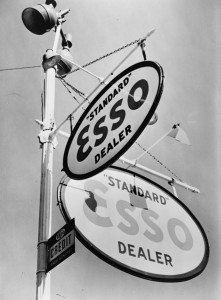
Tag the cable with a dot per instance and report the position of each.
(158, 161)
(88, 64)
(21, 68)
(106, 55)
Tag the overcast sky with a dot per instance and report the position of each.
(187, 45)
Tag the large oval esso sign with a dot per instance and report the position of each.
(113, 120)
(136, 225)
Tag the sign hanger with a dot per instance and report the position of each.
(102, 82)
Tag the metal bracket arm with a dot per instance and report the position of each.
(159, 175)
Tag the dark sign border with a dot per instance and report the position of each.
(145, 275)
(147, 119)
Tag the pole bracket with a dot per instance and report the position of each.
(45, 133)
(171, 182)
(45, 137)
(142, 46)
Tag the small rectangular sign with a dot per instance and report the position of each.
(61, 245)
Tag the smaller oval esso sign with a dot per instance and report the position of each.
(135, 225)
(113, 120)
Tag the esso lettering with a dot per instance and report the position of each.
(116, 117)
(143, 85)
(91, 204)
(128, 224)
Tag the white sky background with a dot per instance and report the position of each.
(187, 45)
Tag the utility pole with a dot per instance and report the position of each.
(39, 19)
(44, 225)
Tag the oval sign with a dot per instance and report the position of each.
(135, 225)
(113, 120)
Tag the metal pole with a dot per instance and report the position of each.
(44, 226)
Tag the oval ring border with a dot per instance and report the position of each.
(147, 119)
(145, 275)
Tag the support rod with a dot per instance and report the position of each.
(81, 68)
(147, 170)
(159, 175)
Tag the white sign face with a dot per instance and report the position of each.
(113, 120)
(135, 225)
